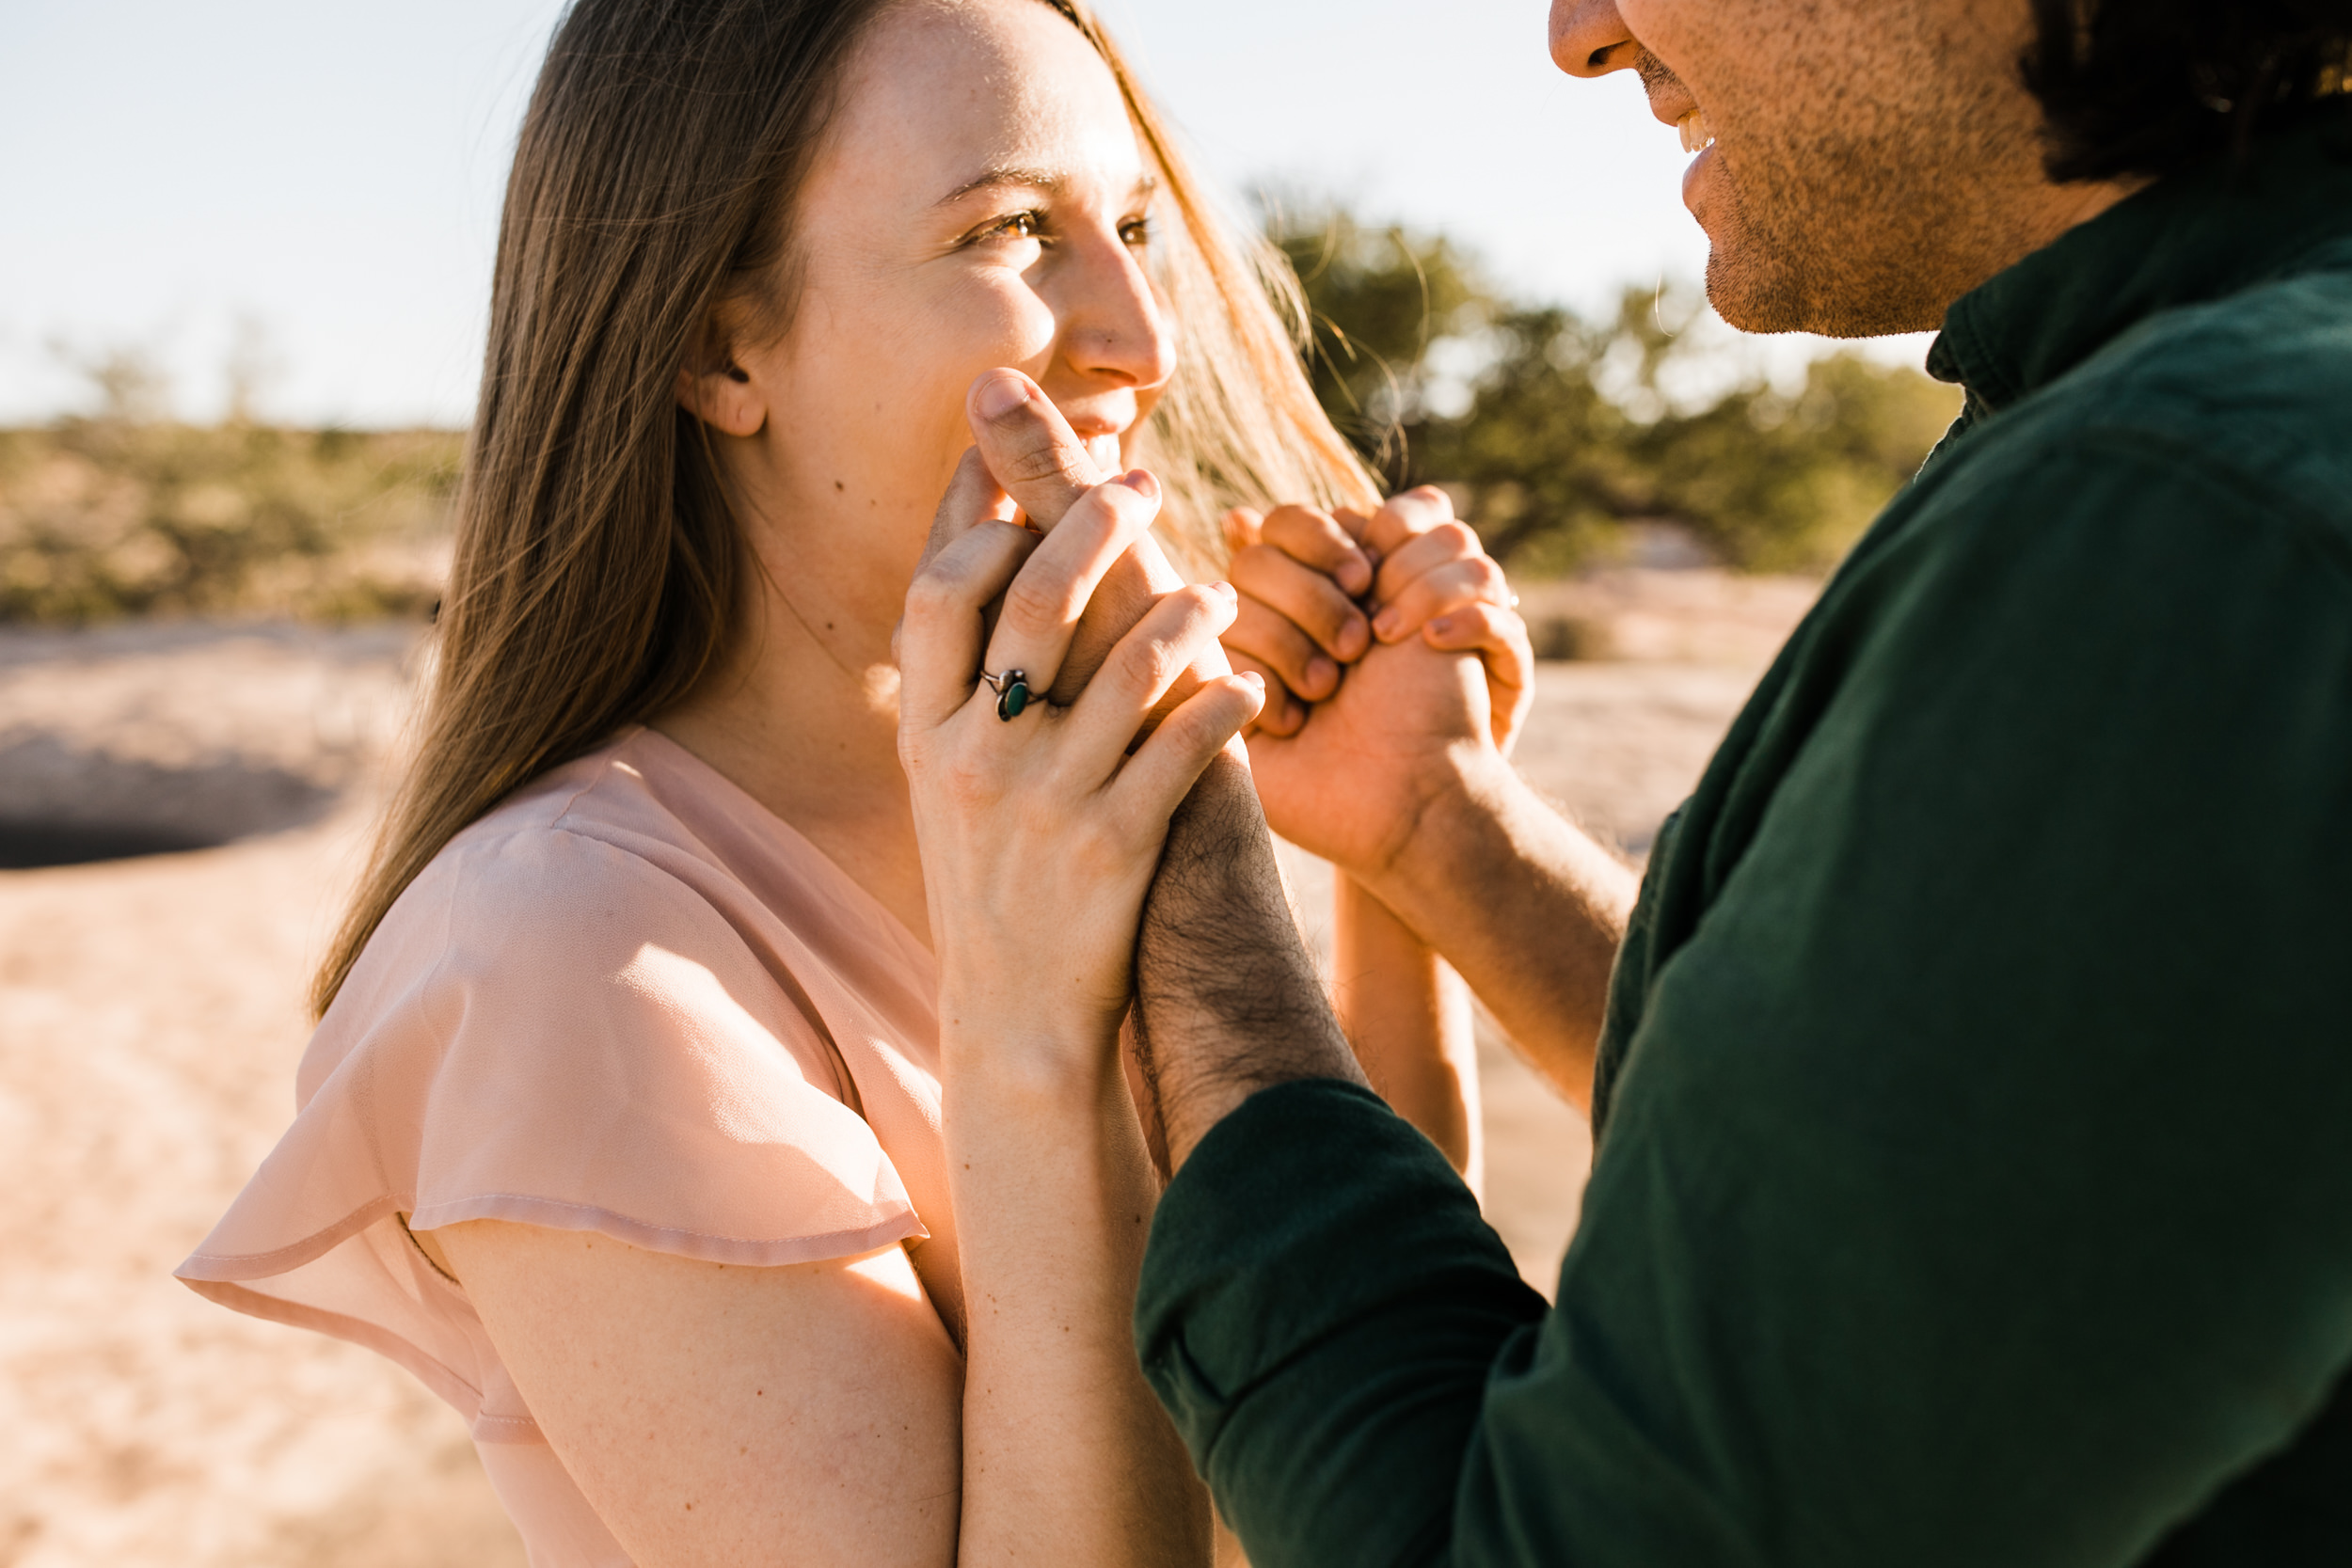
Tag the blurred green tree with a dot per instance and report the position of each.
(1562, 430)
(128, 512)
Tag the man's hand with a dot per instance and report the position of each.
(1395, 766)
(1320, 589)
(1374, 633)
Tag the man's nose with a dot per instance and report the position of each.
(1113, 327)
(1589, 38)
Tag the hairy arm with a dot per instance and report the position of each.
(1529, 910)
(1228, 999)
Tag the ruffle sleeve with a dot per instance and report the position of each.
(552, 1030)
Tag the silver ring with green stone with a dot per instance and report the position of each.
(1013, 692)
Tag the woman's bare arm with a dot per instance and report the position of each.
(1408, 1015)
(716, 1415)
(821, 1415)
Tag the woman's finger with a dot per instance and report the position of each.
(1471, 579)
(1274, 641)
(1499, 637)
(1043, 603)
(1315, 540)
(1141, 669)
(938, 639)
(1028, 447)
(1305, 597)
(972, 498)
(1162, 772)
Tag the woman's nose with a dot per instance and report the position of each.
(1113, 327)
(1589, 38)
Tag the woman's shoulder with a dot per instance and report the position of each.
(591, 844)
(581, 901)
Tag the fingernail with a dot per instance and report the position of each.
(1321, 673)
(1442, 625)
(1254, 679)
(1141, 483)
(999, 395)
(1355, 574)
(1385, 624)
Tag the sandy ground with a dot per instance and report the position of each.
(150, 1015)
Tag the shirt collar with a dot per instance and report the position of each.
(2200, 235)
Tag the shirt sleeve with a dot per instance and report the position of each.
(550, 1030)
(1977, 1188)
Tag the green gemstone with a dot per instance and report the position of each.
(1016, 697)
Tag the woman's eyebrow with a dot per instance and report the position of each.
(1052, 181)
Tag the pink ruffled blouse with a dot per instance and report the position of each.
(630, 1000)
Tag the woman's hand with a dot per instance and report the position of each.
(1040, 833)
(1320, 590)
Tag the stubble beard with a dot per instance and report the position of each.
(1877, 226)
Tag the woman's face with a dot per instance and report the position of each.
(982, 202)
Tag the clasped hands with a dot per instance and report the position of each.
(1372, 662)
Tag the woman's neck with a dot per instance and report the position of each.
(802, 714)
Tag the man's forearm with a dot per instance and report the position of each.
(1228, 999)
(1526, 908)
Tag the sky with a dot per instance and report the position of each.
(323, 178)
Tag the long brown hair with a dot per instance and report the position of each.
(598, 565)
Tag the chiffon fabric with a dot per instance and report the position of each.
(630, 1000)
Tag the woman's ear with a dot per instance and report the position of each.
(720, 392)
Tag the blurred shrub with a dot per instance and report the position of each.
(1563, 429)
(125, 514)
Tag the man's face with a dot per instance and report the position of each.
(1872, 160)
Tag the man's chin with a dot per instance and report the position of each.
(1768, 288)
(1751, 297)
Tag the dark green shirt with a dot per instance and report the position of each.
(1975, 1176)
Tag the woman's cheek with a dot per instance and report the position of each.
(996, 318)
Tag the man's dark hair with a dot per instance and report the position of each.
(2148, 87)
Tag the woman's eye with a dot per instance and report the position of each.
(1021, 226)
(1135, 231)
